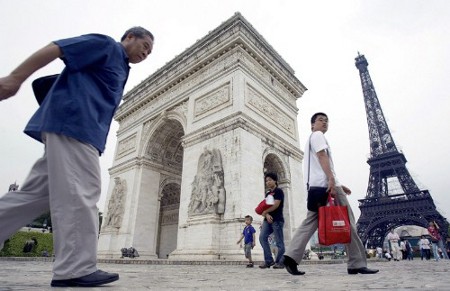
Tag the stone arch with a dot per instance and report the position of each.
(164, 154)
(168, 219)
(164, 147)
(274, 163)
(151, 126)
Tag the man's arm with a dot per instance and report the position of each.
(10, 84)
(270, 209)
(324, 162)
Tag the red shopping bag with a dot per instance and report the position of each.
(266, 203)
(334, 224)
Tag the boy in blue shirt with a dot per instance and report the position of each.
(248, 234)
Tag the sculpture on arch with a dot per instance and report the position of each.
(208, 192)
(116, 204)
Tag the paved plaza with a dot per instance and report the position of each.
(137, 275)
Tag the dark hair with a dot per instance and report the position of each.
(314, 117)
(272, 176)
(138, 32)
(249, 216)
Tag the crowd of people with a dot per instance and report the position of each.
(427, 247)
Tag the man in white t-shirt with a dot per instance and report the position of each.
(320, 172)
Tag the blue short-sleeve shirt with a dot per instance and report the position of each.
(84, 98)
(248, 232)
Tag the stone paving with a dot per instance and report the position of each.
(135, 275)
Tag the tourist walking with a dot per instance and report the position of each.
(424, 245)
(248, 234)
(393, 239)
(319, 170)
(435, 238)
(73, 123)
(273, 223)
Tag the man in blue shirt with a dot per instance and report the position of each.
(73, 122)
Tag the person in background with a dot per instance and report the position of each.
(273, 245)
(273, 223)
(435, 238)
(403, 249)
(248, 234)
(441, 243)
(379, 252)
(72, 122)
(424, 245)
(393, 239)
(409, 251)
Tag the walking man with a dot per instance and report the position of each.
(393, 239)
(72, 122)
(320, 173)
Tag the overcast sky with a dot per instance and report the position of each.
(407, 45)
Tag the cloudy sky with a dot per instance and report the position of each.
(406, 42)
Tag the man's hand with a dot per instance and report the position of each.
(346, 190)
(269, 218)
(331, 187)
(9, 87)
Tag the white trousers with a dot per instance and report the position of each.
(396, 253)
(67, 181)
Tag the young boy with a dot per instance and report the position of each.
(248, 234)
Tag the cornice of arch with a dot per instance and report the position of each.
(231, 35)
(142, 162)
(242, 120)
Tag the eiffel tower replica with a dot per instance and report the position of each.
(383, 207)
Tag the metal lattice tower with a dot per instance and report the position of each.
(383, 209)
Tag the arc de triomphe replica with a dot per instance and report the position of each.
(194, 142)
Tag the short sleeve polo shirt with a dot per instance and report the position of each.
(312, 169)
(84, 98)
(277, 214)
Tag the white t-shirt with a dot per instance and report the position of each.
(317, 177)
(424, 244)
(393, 237)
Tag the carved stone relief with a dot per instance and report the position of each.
(181, 108)
(213, 101)
(208, 192)
(116, 204)
(126, 146)
(268, 110)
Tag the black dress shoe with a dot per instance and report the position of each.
(364, 270)
(278, 266)
(291, 266)
(95, 279)
(267, 266)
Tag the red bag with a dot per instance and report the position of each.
(334, 224)
(266, 203)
